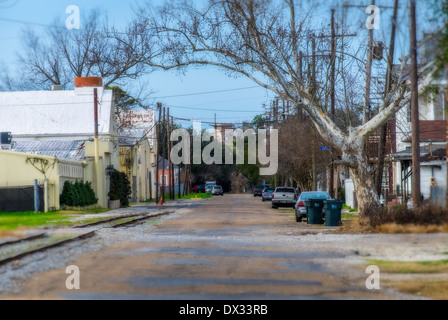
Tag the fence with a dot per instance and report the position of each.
(17, 199)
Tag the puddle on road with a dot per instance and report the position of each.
(243, 253)
(182, 282)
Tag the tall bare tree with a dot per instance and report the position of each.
(60, 55)
(262, 40)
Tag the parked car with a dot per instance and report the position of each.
(209, 188)
(201, 188)
(258, 190)
(300, 206)
(218, 191)
(267, 194)
(284, 197)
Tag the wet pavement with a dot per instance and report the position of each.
(232, 247)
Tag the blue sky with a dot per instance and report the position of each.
(229, 105)
(233, 106)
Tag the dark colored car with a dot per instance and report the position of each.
(258, 190)
(267, 194)
(201, 188)
(301, 207)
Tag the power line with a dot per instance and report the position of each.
(31, 23)
(209, 92)
(214, 110)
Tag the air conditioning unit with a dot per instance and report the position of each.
(5, 138)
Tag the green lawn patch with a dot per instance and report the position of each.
(15, 220)
(421, 267)
(347, 216)
(200, 195)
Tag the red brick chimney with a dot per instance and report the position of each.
(82, 82)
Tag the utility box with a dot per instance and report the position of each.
(5, 138)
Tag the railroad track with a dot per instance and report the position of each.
(123, 221)
(127, 221)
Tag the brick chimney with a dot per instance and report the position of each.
(84, 85)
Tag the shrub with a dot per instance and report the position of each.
(424, 216)
(120, 188)
(78, 194)
(426, 219)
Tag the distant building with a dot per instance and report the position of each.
(220, 131)
(138, 152)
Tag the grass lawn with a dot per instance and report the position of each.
(420, 286)
(421, 267)
(19, 220)
(200, 195)
(432, 289)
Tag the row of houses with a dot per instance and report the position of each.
(53, 141)
(397, 178)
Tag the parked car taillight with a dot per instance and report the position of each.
(295, 197)
(264, 194)
(272, 196)
(301, 204)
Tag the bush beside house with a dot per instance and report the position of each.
(78, 194)
(120, 188)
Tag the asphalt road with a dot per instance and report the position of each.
(226, 248)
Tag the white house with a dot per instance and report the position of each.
(61, 124)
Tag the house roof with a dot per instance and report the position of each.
(35, 113)
(425, 154)
(62, 149)
(434, 131)
(166, 164)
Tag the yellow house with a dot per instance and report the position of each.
(138, 152)
(61, 125)
(19, 170)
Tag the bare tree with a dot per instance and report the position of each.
(61, 55)
(302, 159)
(262, 40)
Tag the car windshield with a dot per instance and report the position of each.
(269, 190)
(315, 195)
(286, 190)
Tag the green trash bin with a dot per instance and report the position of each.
(333, 213)
(314, 209)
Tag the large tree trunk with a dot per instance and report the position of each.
(368, 200)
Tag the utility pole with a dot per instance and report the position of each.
(172, 175)
(159, 106)
(332, 96)
(314, 86)
(388, 87)
(97, 155)
(446, 116)
(169, 153)
(366, 110)
(163, 155)
(416, 192)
